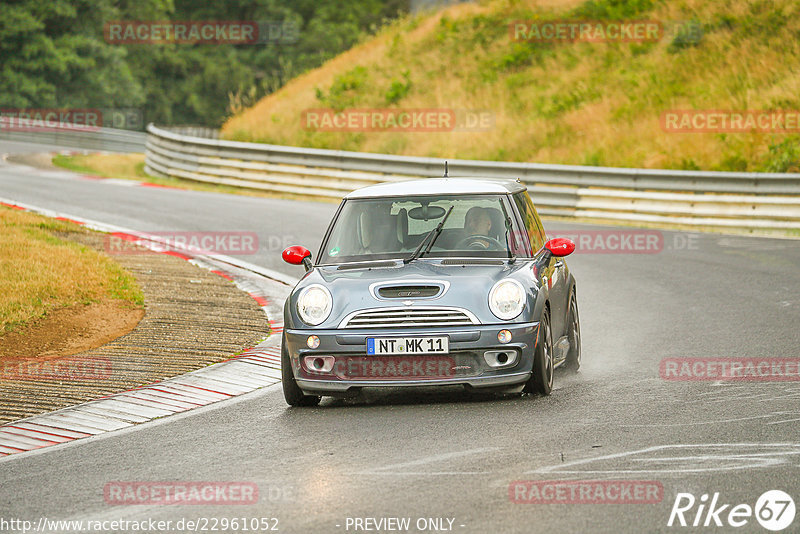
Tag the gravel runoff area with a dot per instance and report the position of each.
(193, 318)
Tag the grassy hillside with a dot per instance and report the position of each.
(574, 103)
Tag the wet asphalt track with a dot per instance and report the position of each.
(440, 453)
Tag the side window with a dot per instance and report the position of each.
(539, 225)
(532, 223)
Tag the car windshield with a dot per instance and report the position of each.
(392, 228)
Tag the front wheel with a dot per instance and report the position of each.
(541, 381)
(291, 391)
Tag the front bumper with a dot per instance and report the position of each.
(465, 363)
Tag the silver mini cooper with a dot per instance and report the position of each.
(445, 281)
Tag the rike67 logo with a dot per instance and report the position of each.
(774, 510)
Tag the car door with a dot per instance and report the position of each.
(553, 272)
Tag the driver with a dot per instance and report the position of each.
(477, 222)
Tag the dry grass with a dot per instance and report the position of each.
(583, 103)
(40, 271)
(127, 166)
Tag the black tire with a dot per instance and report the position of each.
(573, 362)
(541, 380)
(291, 391)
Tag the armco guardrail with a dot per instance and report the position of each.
(736, 200)
(107, 139)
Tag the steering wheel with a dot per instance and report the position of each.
(479, 242)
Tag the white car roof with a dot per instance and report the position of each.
(438, 186)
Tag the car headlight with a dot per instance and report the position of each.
(314, 304)
(507, 299)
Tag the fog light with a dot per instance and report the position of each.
(313, 342)
(504, 336)
(501, 358)
(319, 364)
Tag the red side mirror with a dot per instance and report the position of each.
(297, 255)
(560, 246)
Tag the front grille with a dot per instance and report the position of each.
(408, 317)
(406, 292)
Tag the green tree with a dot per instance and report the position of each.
(54, 55)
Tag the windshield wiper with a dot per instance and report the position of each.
(509, 236)
(433, 233)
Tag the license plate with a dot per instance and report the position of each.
(377, 346)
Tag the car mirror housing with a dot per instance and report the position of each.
(560, 246)
(297, 255)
